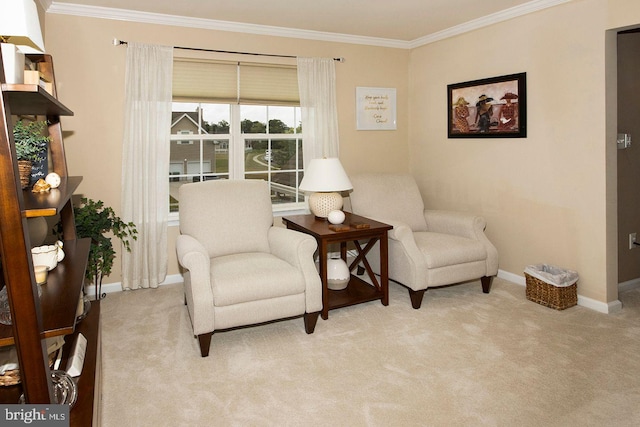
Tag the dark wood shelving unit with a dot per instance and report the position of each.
(25, 99)
(54, 312)
(60, 295)
(51, 202)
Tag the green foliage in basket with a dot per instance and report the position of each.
(30, 139)
(96, 221)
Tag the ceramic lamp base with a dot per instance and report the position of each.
(320, 204)
(13, 61)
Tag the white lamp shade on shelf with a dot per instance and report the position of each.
(20, 25)
(13, 63)
(20, 33)
(325, 179)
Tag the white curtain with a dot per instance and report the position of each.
(145, 162)
(317, 86)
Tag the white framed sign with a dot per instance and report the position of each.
(375, 108)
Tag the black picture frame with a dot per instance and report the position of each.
(495, 107)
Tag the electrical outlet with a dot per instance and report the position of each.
(632, 240)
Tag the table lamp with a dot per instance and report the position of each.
(20, 33)
(325, 178)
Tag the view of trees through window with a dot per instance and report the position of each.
(229, 141)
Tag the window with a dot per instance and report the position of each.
(272, 139)
(237, 121)
(185, 132)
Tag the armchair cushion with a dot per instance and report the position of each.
(255, 276)
(440, 250)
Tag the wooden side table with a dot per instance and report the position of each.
(356, 228)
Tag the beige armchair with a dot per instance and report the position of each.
(239, 268)
(427, 248)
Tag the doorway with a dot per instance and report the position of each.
(628, 159)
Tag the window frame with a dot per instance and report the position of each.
(237, 140)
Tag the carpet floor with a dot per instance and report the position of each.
(464, 359)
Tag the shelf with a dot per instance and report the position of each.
(50, 202)
(84, 411)
(60, 295)
(88, 382)
(33, 100)
(356, 292)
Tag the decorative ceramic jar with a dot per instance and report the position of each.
(338, 273)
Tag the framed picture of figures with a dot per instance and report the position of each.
(488, 108)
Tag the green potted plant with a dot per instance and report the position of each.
(95, 221)
(31, 146)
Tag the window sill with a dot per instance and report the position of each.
(304, 211)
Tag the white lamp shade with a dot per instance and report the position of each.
(325, 175)
(13, 63)
(325, 178)
(20, 25)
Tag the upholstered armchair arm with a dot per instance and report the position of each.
(403, 235)
(400, 230)
(465, 225)
(193, 256)
(298, 249)
(457, 223)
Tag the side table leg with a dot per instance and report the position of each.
(384, 268)
(322, 253)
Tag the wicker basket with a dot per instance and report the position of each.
(24, 168)
(549, 295)
(12, 376)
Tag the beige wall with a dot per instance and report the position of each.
(622, 13)
(550, 197)
(544, 197)
(90, 76)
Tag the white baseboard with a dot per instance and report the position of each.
(628, 285)
(607, 308)
(611, 307)
(514, 278)
(108, 288)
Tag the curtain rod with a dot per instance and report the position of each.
(117, 42)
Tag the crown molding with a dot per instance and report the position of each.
(485, 21)
(212, 24)
(57, 7)
(44, 4)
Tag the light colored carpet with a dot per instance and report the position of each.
(464, 359)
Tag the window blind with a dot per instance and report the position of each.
(233, 82)
(197, 81)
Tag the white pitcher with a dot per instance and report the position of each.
(49, 255)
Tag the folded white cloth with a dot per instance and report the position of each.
(8, 359)
(553, 275)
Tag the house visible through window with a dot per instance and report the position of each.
(236, 121)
